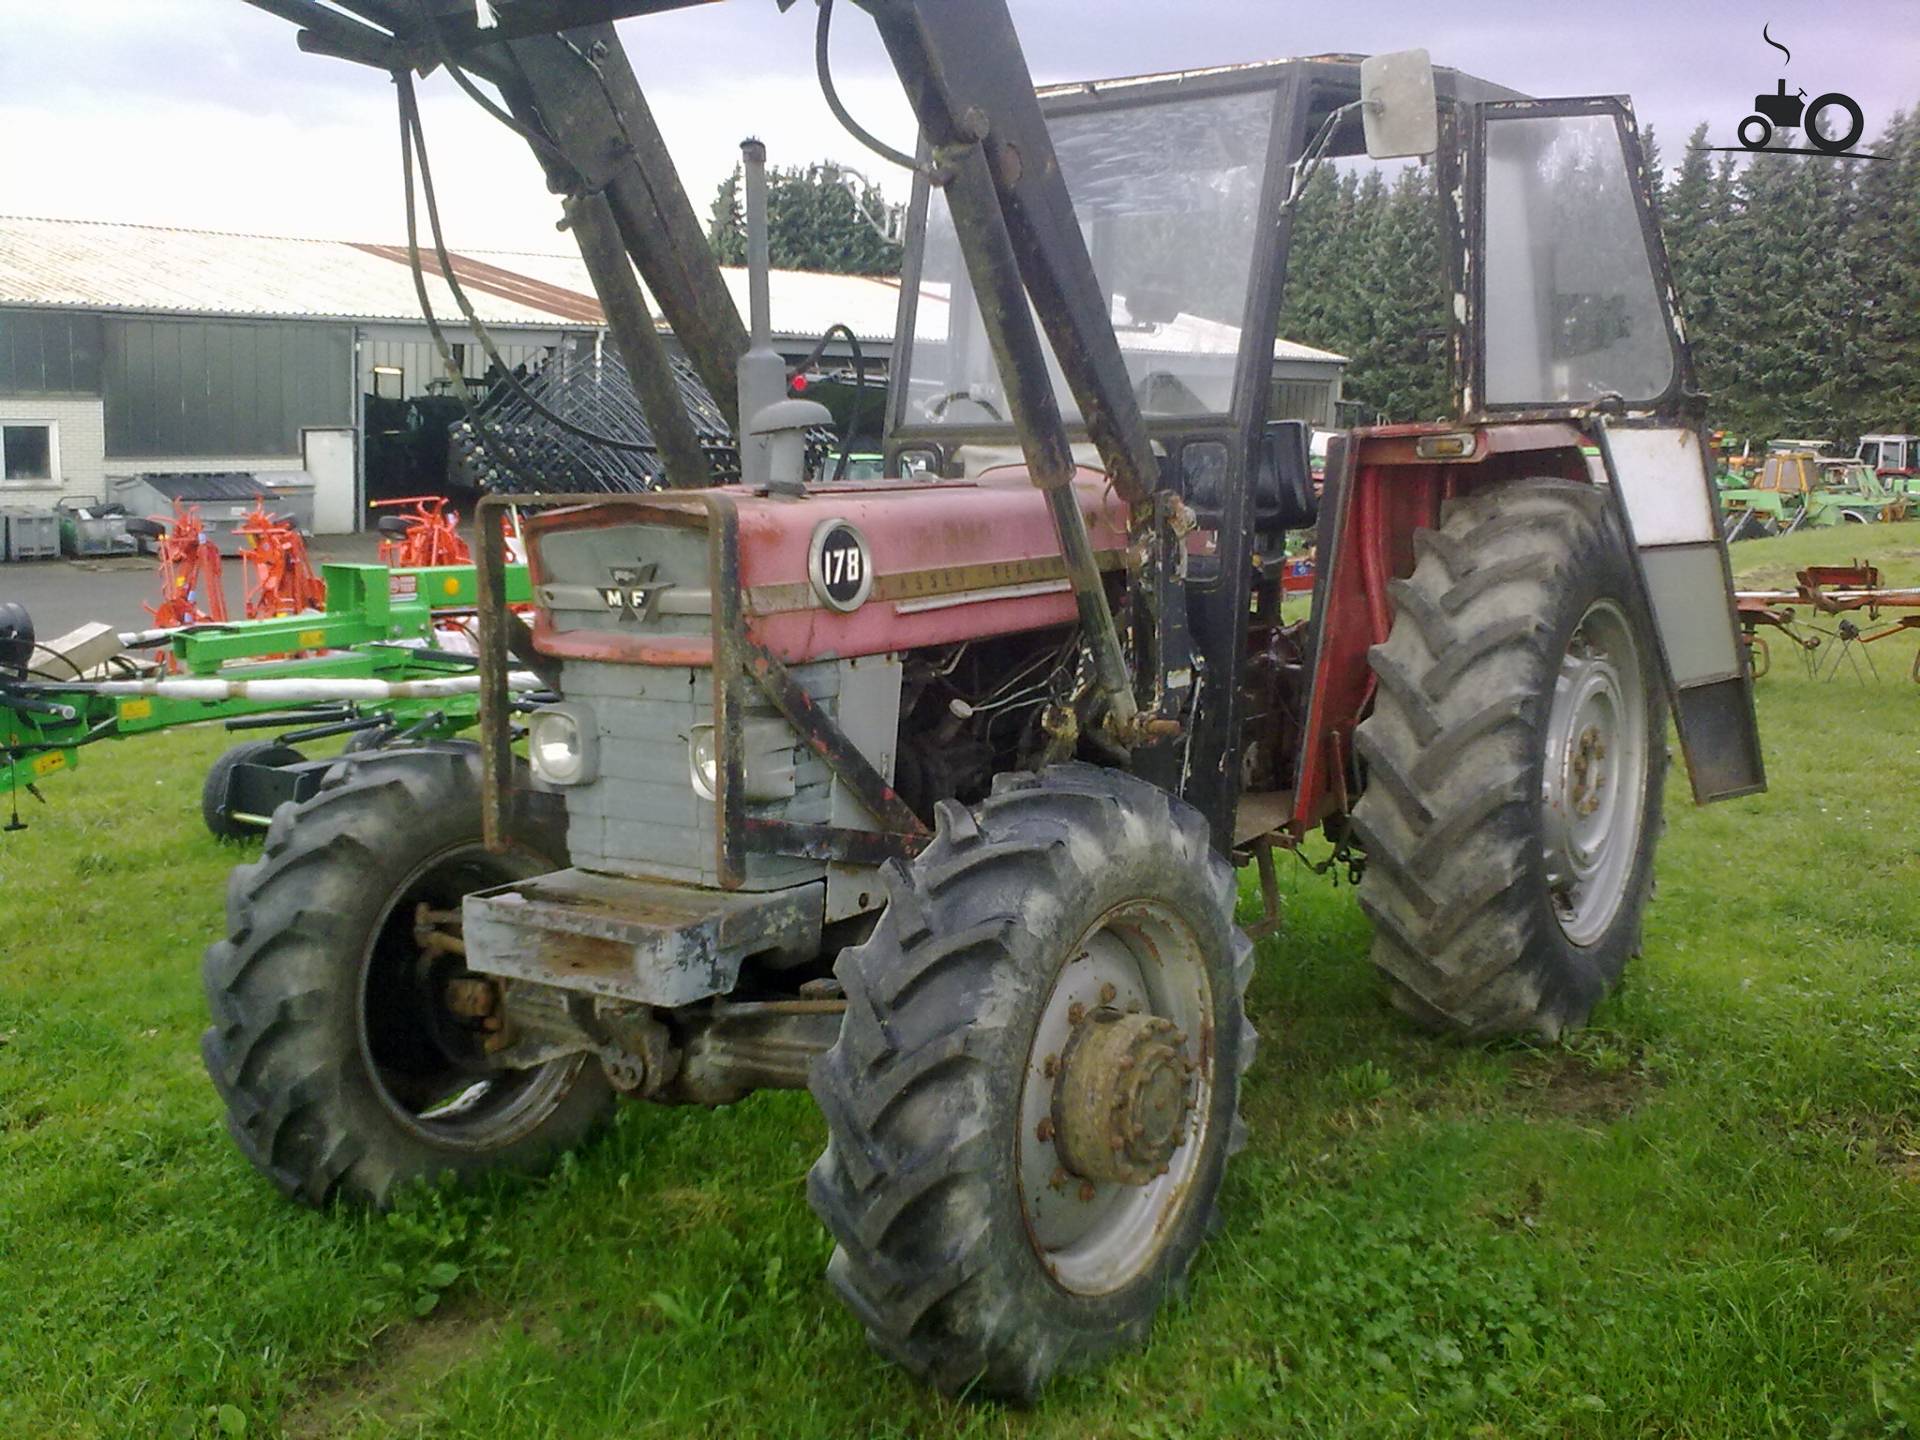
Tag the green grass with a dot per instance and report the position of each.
(1700, 1218)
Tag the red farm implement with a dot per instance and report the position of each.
(427, 535)
(192, 591)
(1840, 593)
(280, 578)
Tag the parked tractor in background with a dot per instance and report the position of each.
(927, 792)
(1798, 488)
(1891, 455)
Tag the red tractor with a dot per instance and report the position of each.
(928, 793)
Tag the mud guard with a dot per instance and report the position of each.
(1565, 309)
(1663, 492)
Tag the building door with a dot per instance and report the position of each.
(329, 458)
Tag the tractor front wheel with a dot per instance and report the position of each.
(350, 1048)
(1035, 1091)
(1515, 757)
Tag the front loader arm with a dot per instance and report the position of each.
(574, 96)
(967, 78)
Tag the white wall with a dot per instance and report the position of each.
(79, 447)
(79, 461)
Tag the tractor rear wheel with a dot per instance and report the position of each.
(349, 1053)
(1515, 758)
(1035, 1091)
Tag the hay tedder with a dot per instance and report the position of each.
(927, 793)
(367, 663)
(1841, 595)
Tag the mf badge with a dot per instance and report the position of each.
(633, 591)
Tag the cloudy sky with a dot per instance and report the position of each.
(202, 113)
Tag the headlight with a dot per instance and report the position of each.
(561, 744)
(703, 755)
(767, 760)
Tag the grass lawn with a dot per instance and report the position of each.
(1700, 1218)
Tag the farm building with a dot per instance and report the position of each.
(131, 350)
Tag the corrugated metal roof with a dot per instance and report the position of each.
(150, 269)
(1294, 350)
(95, 265)
(804, 302)
(153, 270)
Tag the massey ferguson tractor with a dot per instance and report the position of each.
(926, 793)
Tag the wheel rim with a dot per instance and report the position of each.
(428, 1065)
(1136, 988)
(1593, 785)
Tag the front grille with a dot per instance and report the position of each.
(579, 567)
(642, 816)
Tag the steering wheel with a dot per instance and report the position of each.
(1162, 384)
(938, 409)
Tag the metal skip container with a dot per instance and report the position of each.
(223, 498)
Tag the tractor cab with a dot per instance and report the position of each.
(1150, 162)
(1898, 454)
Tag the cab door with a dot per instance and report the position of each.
(1564, 310)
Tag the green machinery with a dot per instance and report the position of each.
(367, 665)
(1797, 488)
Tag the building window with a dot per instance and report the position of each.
(389, 382)
(26, 452)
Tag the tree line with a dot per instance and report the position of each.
(1799, 283)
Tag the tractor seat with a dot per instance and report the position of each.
(1283, 497)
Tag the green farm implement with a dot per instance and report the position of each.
(372, 666)
(1798, 488)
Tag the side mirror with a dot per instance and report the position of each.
(1398, 108)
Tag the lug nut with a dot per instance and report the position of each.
(1087, 1192)
(1050, 1067)
(1107, 993)
(1076, 1012)
(1058, 1180)
(1045, 1129)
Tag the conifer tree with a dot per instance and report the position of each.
(813, 223)
(1882, 264)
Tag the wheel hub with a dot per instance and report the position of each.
(1114, 1109)
(1596, 763)
(1123, 1097)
